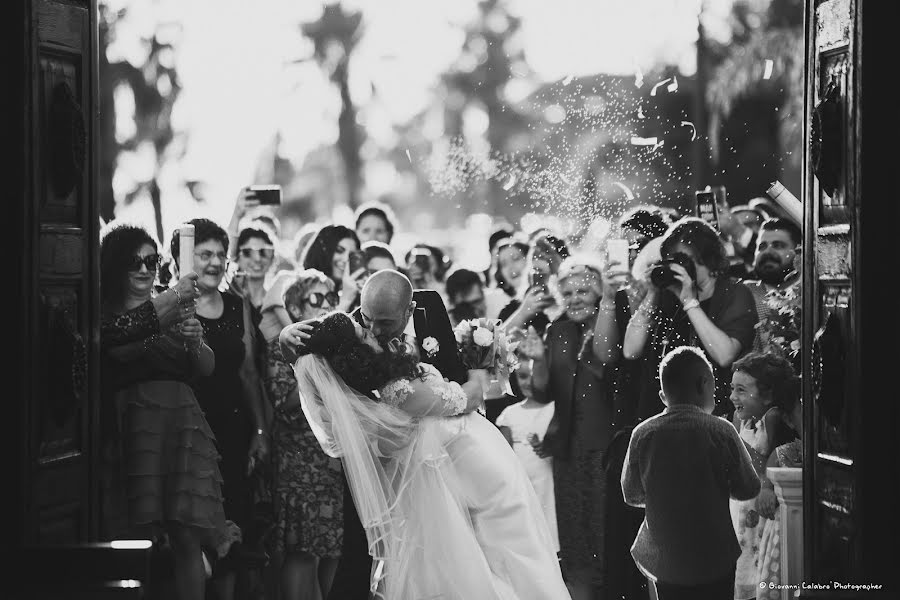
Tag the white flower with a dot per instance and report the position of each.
(483, 337)
(430, 346)
(795, 345)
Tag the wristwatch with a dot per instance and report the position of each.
(692, 303)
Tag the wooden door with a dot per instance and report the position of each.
(850, 426)
(58, 315)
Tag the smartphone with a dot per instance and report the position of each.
(617, 252)
(268, 195)
(539, 279)
(707, 209)
(422, 261)
(357, 261)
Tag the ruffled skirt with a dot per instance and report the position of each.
(170, 458)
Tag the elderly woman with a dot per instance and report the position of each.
(565, 371)
(231, 396)
(162, 445)
(693, 304)
(308, 485)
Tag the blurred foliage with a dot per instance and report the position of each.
(755, 98)
(155, 86)
(335, 36)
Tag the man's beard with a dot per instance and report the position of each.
(773, 276)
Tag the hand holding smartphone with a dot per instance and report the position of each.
(267, 195)
(707, 208)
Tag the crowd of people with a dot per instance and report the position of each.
(625, 370)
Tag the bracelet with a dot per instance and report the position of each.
(607, 306)
(177, 295)
(692, 303)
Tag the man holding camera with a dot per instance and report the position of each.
(691, 302)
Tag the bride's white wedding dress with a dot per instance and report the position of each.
(448, 509)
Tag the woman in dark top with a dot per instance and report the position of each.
(329, 252)
(702, 308)
(231, 396)
(161, 445)
(566, 372)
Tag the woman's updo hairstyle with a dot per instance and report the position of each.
(334, 338)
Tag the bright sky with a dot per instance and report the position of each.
(239, 87)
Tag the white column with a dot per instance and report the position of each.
(789, 491)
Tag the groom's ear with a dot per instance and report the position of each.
(412, 307)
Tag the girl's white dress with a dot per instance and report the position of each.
(524, 421)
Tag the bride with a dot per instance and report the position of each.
(447, 508)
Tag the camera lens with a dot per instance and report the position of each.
(662, 276)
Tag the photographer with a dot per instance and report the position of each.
(690, 303)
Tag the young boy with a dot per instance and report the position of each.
(681, 467)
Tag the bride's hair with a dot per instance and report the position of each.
(334, 338)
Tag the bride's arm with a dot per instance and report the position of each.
(431, 396)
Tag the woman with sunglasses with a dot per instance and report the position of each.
(159, 450)
(309, 490)
(329, 252)
(232, 395)
(255, 256)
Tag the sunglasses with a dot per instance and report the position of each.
(151, 261)
(316, 300)
(262, 252)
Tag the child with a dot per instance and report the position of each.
(763, 389)
(681, 467)
(521, 424)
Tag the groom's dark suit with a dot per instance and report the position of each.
(351, 582)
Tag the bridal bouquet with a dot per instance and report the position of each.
(483, 344)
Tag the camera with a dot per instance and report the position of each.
(663, 276)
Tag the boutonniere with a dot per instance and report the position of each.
(430, 346)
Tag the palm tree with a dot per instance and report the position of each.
(335, 35)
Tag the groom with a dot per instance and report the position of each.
(395, 314)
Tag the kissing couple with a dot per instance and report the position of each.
(441, 506)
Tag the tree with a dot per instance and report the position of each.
(490, 59)
(335, 35)
(155, 86)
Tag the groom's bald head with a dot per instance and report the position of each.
(386, 303)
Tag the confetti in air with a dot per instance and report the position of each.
(770, 65)
(628, 193)
(408, 156)
(673, 87)
(693, 129)
(591, 166)
(658, 85)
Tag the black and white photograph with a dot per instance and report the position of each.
(450, 300)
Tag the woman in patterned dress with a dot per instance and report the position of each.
(308, 488)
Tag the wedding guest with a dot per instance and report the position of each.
(378, 256)
(329, 252)
(465, 291)
(500, 234)
(427, 267)
(566, 372)
(789, 455)
(309, 489)
(255, 256)
(510, 267)
(375, 221)
(537, 303)
(161, 452)
(776, 289)
(682, 466)
(520, 424)
(231, 396)
(763, 393)
(693, 305)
